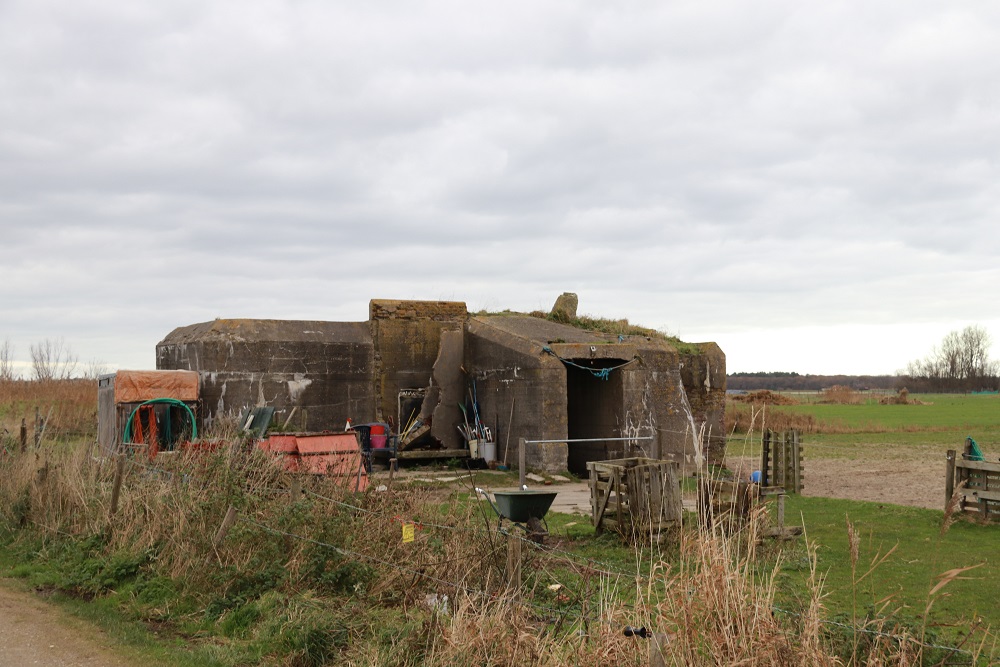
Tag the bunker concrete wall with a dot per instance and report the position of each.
(406, 336)
(521, 392)
(658, 399)
(326, 380)
(704, 377)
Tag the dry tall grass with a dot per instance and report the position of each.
(70, 406)
(842, 395)
(746, 418)
(325, 578)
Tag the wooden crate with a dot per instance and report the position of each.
(634, 495)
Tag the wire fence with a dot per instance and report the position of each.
(557, 556)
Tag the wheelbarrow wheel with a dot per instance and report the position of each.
(537, 530)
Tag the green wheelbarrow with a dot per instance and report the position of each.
(525, 509)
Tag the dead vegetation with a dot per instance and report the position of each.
(745, 418)
(70, 406)
(841, 395)
(324, 578)
(763, 397)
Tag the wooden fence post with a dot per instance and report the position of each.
(24, 435)
(796, 462)
(227, 523)
(116, 487)
(949, 478)
(787, 477)
(38, 428)
(393, 464)
(514, 561)
(765, 459)
(657, 648)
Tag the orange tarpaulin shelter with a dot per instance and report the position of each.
(139, 386)
(159, 427)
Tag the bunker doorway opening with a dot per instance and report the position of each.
(594, 409)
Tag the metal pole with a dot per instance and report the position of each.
(545, 442)
(521, 445)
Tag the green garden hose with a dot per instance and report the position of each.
(168, 401)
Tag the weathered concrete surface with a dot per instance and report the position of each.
(521, 389)
(323, 369)
(645, 396)
(704, 377)
(546, 456)
(406, 336)
(534, 378)
(450, 380)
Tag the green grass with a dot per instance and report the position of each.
(941, 412)
(918, 553)
(943, 421)
(905, 578)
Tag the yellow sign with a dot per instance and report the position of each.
(408, 532)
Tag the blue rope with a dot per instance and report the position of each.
(599, 373)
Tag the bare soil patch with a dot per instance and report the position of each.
(912, 476)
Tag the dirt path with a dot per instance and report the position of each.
(33, 632)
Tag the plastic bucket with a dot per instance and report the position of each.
(378, 441)
(489, 450)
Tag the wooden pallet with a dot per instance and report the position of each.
(634, 496)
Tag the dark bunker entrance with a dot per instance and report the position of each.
(593, 410)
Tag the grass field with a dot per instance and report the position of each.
(939, 420)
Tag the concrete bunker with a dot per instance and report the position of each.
(531, 377)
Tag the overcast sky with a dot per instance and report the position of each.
(812, 185)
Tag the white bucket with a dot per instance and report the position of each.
(489, 450)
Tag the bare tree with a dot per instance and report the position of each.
(962, 361)
(52, 360)
(94, 369)
(7, 372)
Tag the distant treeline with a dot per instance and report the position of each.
(785, 381)
(794, 382)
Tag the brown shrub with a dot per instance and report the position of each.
(842, 395)
(744, 418)
(764, 397)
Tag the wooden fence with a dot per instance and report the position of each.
(781, 461)
(975, 485)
